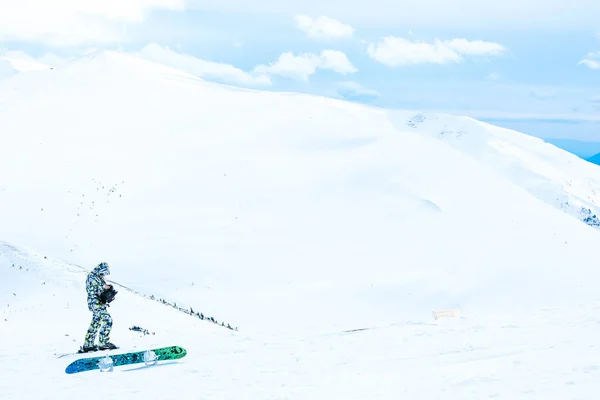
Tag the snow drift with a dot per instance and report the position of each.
(279, 211)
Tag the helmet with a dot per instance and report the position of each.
(103, 269)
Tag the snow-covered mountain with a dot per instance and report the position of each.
(226, 194)
(295, 219)
(22, 62)
(553, 175)
(6, 69)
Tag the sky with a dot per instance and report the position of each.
(532, 66)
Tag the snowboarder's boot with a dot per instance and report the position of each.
(107, 346)
(87, 349)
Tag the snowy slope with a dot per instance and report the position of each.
(43, 314)
(272, 212)
(553, 175)
(549, 354)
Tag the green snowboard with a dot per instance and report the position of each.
(115, 360)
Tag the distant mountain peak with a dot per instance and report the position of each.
(21, 62)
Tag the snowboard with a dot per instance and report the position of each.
(135, 357)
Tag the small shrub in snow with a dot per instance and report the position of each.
(140, 329)
(589, 218)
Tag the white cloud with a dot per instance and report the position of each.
(493, 76)
(475, 47)
(202, 68)
(592, 64)
(75, 22)
(323, 27)
(290, 66)
(354, 90)
(336, 61)
(592, 60)
(395, 51)
(302, 66)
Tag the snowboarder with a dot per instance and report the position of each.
(99, 295)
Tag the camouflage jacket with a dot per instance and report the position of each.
(94, 285)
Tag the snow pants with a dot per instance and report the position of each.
(101, 321)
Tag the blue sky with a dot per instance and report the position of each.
(518, 65)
